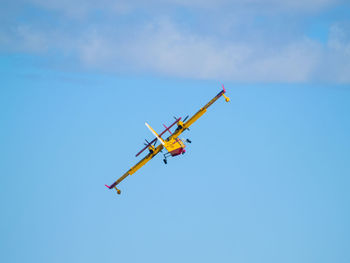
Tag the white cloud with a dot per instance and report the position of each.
(162, 48)
(83, 7)
(337, 54)
(31, 40)
(167, 46)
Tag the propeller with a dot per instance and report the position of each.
(146, 143)
(184, 120)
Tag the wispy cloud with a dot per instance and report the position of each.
(249, 42)
(162, 48)
(80, 7)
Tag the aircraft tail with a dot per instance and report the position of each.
(155, 134)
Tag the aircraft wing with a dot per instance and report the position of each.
(181, 128)
(137, 166)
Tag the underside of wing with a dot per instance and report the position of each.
(136, 167)
(184, 126)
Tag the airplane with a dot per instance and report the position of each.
(173, 144)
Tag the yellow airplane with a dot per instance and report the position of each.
(173, 144)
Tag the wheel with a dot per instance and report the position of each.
(188, 140)
(165, 161)
(119, 192)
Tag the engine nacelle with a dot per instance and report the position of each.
(180, 124)
(151, 148)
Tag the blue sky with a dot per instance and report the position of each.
(266, 177)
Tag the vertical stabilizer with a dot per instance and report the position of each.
(155, 134)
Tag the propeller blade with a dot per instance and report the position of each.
(185, 118)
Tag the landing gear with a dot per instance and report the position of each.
(165, 157)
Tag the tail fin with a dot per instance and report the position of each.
(155, 134)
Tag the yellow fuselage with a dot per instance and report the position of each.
(174, 146)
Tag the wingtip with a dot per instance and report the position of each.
(108, 186)
(223, 88)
